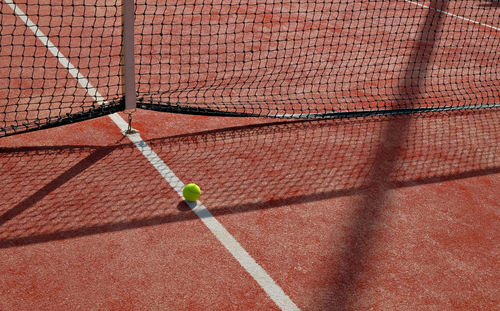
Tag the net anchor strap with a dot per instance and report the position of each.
(130, 130)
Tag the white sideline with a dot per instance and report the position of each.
(453, 15)
(55, 51)
(225, 238)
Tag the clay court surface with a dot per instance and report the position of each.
(394, 212)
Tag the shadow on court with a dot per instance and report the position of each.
(394, 136)
(60, 192)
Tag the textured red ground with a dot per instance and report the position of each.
(87, 223)
(357, 214)
(398, 213)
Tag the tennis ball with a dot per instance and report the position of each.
(191, 192)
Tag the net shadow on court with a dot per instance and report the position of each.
(360, 240)
(71, 191)
(60, 192)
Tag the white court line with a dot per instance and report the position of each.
(225, 238)
(272, 289)
(230, 243)
(55, 51)
(453, 15)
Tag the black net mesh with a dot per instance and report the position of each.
(60, 62)
(315, 58)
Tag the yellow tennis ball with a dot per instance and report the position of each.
(191, 192)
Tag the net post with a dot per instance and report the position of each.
(128, 65)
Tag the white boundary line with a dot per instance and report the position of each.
(453, 15)
(272, 289)
(225, 238)
(55, 51)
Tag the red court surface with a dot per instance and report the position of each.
(371, 213)
(397, 213)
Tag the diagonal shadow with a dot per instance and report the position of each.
(121, 191)
(56, 183)
(470, 138)
(359, 242)
(315, 160)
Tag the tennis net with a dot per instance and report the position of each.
(59, 62)
(273, 58)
